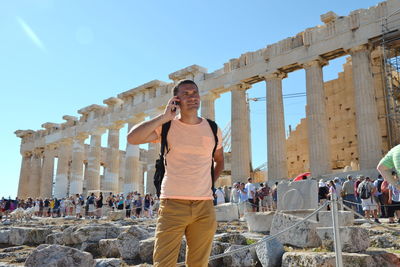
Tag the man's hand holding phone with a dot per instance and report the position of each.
(171, 109)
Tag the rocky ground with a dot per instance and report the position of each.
(41, 242)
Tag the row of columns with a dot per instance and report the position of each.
(36, 176)
(368, 133)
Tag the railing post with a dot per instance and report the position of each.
(336, 232)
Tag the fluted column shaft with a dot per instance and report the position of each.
(112, 171)
(23, 184)
(152, 155)
(93, 165)
(240, 134)
(34, 177)
(276, 138)
(317, 125)
(76, 182)
(64, 156)
(208, 106)
(133, 180)
(368, 131)
(46, 181)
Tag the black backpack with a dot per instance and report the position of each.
(379, 185)
(160, 168)
(365, 193)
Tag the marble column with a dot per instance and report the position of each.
(93, 165)
(317, 124)
(276, 137)
(208, 105)
(368, 131)
(111, 174)
(46, 181)
(133, 180)
(78, 149)
(36, 170)
(64, 156)
(240, 134)
(152, 155)
(23, 188)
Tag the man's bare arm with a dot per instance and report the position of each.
(219, 163)
(386, 173)
(145, 132)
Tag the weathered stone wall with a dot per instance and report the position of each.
(340, 106)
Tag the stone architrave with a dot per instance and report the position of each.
(300, 195)
(368, 131)
(133, 167)
(276, 138)
(208, 105)
(320, 162)
(64, 156)
(23, 188)
(36, 171)
(93, 165)
(46, 181)
(240, 134)
(111, 176)
(76, 182)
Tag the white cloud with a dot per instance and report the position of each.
(31, 34)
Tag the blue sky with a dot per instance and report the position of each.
(59, 56)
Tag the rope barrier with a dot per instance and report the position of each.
(264, 239)
(356, 203)
(369, 220)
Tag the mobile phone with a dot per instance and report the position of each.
(176, 103)
(174, 108)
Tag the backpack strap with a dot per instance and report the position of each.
(164, 133)
(214, 128)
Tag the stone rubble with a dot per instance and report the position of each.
(130, 242)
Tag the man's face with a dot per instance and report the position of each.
(189, 97)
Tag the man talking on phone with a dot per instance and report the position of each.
(186, 205)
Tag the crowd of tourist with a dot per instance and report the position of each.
(250, 197)
(374, 198)
(79, 206)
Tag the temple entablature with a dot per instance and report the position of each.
(92, 112)
(193, 72)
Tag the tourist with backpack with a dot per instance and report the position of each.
(366, 191)
(190, 145)
(379, 196)
(91, 205)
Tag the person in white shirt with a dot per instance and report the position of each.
(220, 196)
(235, 193)
(251, 194)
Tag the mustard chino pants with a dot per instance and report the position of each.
(193, 218)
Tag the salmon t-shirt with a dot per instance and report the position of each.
(188, 162)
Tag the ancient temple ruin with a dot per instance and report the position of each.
(357, 35)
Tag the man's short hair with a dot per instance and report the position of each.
(248, 179)
(181, 82)
(349, 177)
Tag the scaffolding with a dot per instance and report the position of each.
(390, 44)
